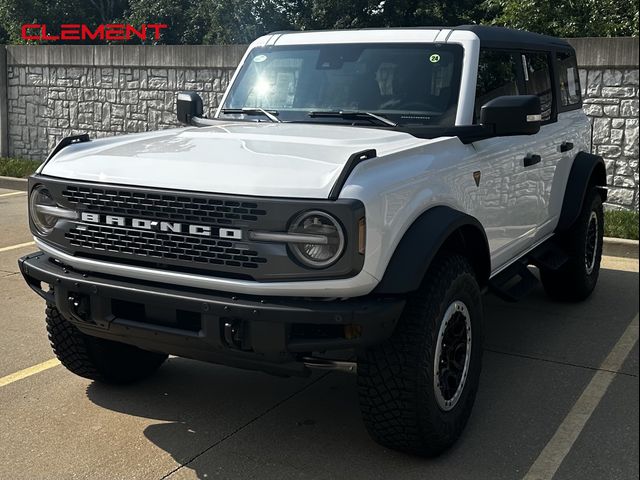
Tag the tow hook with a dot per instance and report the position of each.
(235, 335)
(79, 306)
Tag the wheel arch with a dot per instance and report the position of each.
(587, 170)
(439, 228)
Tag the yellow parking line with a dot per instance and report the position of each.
(554, 453)
(27, 372)
(13, 247)
(11, 194)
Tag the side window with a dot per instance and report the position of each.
(537, 80)
(497, 76)
(569, 79)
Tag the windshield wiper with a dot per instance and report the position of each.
(354, 114)
(271, 115)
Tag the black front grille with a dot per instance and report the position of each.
(164, 205)
(194, 246)
(163, 246)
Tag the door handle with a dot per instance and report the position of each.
(532, 159)
(566, 146)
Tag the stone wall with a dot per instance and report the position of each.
(609, 80)
(610, 98)
(47, 103)
(54, 91)
(57, 91)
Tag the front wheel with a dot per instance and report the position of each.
(417, 389)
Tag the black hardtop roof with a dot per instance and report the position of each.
(501, 37)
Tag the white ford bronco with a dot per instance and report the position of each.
(355, 191)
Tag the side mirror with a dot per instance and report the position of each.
(512, 115)
(188, 106)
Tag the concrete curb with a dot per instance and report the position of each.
(619, 247)
(13, 183)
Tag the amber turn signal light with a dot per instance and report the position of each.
(362, 235)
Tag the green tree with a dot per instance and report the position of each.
(311, 14)
(412, 13)
(53, 13)
(566, 18)
(240, 21)
(181, 16)
(251, 18)
(4, 35)
(210, 21)
(107, 10)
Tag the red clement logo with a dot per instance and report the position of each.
(77, 31)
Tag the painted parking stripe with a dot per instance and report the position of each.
(27, 372)
(12, 194)
(14, 247)
(550, 459)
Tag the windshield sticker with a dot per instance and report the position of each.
(259, 58)
(434, 58)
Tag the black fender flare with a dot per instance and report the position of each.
(587, 170)
(434, 229)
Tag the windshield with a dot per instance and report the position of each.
(409, 84)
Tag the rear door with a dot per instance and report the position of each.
(538, 71)
(570, 135)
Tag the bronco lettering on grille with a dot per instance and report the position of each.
(160, 226)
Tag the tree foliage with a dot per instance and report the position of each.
(240, 21)
(53, 13)
(567, 18)
(184, 26)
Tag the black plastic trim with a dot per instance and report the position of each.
(422, 241)
(492, 36)
(586, 167)
(65, 142)
(271, 345)
(353, 161)
(570, 108)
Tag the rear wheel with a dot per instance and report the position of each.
(417, 389)
(577, 278)
(96, 358)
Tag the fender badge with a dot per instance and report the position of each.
(476, 177)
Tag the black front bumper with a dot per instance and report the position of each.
(269, 334)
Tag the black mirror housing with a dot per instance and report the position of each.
(512, 115)
(188, 106)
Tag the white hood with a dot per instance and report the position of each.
(262, 159)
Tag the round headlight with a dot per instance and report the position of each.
(329, 243)
(43, 222)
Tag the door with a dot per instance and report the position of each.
(569, 135)
(510, 193)
(538, 80)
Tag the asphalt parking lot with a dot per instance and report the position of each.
(559, 393)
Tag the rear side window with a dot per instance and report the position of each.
(569, 79)
(497, 76)
(537, 80)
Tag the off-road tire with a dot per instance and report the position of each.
(96, 358)
(396, 379)
(574, 281)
